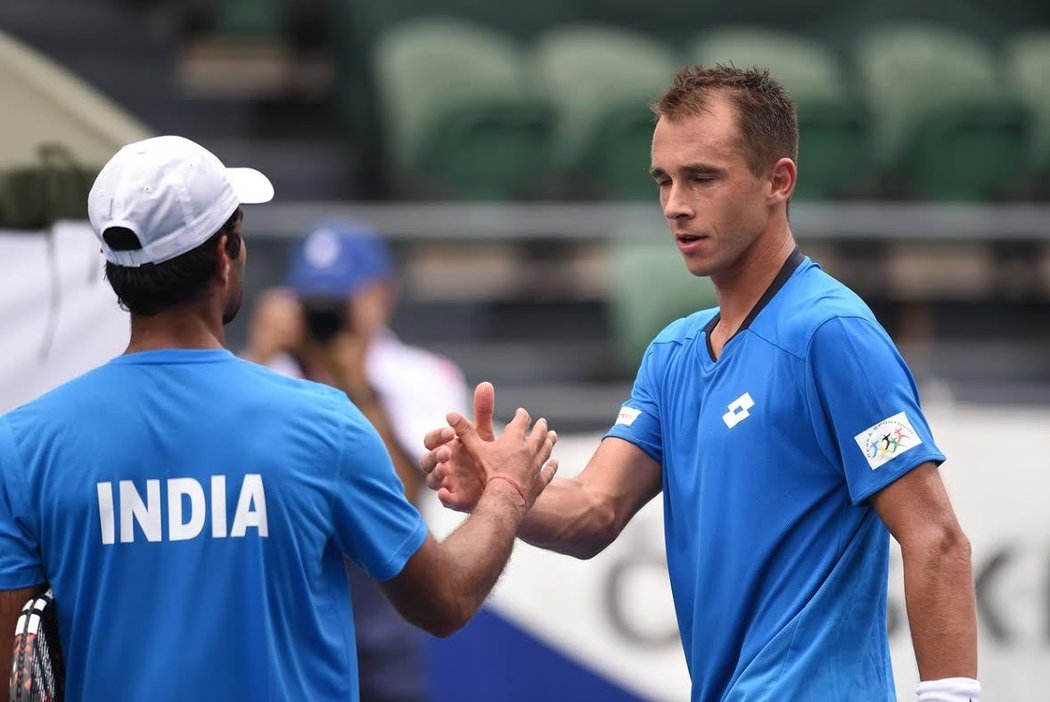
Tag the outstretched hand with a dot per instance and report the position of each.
(463, 457)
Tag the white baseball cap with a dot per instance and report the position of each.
(172, 193)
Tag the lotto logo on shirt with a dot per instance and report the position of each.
(888, 439)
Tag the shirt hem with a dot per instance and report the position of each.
(891, 478)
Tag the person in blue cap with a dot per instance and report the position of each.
(329, 324)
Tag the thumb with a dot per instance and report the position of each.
(548, 471)
(484, 407)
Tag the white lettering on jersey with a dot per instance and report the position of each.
(739, 410)
(133, 509)
(888, 439)
(179, 530)
(187, 509)
(628, 415)
(251, 494)
(105, 511)
(218, 506)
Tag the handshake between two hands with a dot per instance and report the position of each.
(464, 457)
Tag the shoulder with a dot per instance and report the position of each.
(293, 393)
(684, 330)
(811, 300)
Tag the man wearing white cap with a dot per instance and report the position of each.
(191, 511)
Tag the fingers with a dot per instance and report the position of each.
(449, 500)
(520, 423)
(484, 408)
(465, 430)
(548, 444)
(432, 459)
(548, 471)
(439, 437)
(540, 432)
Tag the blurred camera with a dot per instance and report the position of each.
(325, 317)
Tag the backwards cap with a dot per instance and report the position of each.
(172, 193)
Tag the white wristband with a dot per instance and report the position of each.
(949, 690)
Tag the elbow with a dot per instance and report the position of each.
(607, 526)
(448, 617)
(445, 627)
(953, 545)
(945, 544)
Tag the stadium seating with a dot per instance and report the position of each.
(1028, 68)
(834, 151)
(461, 119)
(250, 18)
(945, 127)
(601, 81)
(641, 308)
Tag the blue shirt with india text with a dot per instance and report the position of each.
(192, 512)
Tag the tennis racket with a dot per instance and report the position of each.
(37, 671)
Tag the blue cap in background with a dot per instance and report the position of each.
(338, 258)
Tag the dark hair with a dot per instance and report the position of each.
(766, 116)
(155, 287)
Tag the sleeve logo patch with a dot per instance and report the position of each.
(888, 439)
(628, 415)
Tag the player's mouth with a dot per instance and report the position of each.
(689, 243)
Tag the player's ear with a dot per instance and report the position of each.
(222, 259)
(782, 178)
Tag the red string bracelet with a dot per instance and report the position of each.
(512, 481)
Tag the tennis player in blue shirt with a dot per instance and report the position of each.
(784, 431)
(190, 510)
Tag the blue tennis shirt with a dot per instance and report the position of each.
(778, 563)
(192, 511)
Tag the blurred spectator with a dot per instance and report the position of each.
(330, 325)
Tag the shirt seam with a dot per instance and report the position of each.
(918, 459)
(839, 317)
(689, 338)
(631, 440)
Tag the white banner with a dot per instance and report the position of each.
(60, 317)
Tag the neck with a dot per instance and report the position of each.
(739, 287)
(187, 327)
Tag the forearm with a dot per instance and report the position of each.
(572, 519)
(475, 554)
(939, 591)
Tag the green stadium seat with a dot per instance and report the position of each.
(251, 19)
(460, 117)
(601, 81)
(945, 126)
(834, 151)
(640, 308)
(1028, 68)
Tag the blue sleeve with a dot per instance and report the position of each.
(639, 418)
(20, 563)
(865, 407)
(375, 525)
